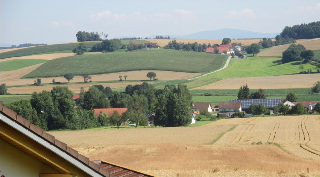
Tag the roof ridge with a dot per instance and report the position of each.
(51, 139)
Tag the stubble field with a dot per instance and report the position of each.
(269, 82)
(197, 151)
(276, 51)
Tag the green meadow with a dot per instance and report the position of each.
(153, 59)
(11, 65)
(259, 67)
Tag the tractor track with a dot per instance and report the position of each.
(305, 137)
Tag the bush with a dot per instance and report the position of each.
(238, 114)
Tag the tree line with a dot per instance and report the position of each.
(89, 36)
(56, 109)
(303, 31)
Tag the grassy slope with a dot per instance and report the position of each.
(7, 99)
(18, 64)
(155, 59)
(259, 66)
(55, 48)
(317, 55)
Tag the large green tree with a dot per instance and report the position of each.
(244, 92)
(291, 97)
(226, 41)
(316, 87)
(25, 109)
(151, 75)
(253, 49)
(292, 53)
(80, 49)
(3, 89)
(258, 94)
(307, 55)
(68, 76)
(94, 98)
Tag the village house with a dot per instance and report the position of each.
(198, 106)
(308, 105)
(228, 108)
(109, 111)
(27, 150)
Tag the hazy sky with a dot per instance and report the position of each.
(57, 21)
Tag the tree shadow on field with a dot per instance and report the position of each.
(296, 63)
(277, 62)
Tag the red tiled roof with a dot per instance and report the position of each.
(201, 105)
(105, 168)
(210, 50)
(229, 105)
(119, 171)
(109, 111)
(221, 49)
(226, 45)
(75, 97)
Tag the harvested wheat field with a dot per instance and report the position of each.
(163, 42)
(191, 151)
(12, 78)
(276, 51)
(269, 82)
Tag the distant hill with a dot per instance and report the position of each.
(222, 33)
(5, 45)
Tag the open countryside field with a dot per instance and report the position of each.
(163, 42)
(155, 59)
(18, 64)
(198, 151)
(259, 67)
(276, 51)
(269, 82)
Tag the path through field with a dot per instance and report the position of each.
(188, 151)
(269, 82)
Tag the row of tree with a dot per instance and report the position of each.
(303, 31)
(187, 47)
(57, 109)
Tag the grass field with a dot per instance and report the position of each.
(7, 99)
(188, 151)
(317, 55)
(18, 64)
(259, 67)
(167, 60)
(214, 100)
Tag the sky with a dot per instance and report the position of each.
(58, 21)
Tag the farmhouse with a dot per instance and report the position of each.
(229, 108)
(198, 106)
(27, 150)
(109, 111)
(309, 106)
(210, 50)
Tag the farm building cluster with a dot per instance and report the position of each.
(227, 109)
(224, 49)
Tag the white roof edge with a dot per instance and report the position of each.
(48, 145)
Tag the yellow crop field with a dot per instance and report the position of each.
(269, 82)
(276, 51)
(243, 147)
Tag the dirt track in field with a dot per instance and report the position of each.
(163, 42)
(269, 82)
(189, 152)
(276, 51)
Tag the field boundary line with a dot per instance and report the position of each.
(221, 134)
(225, 65)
